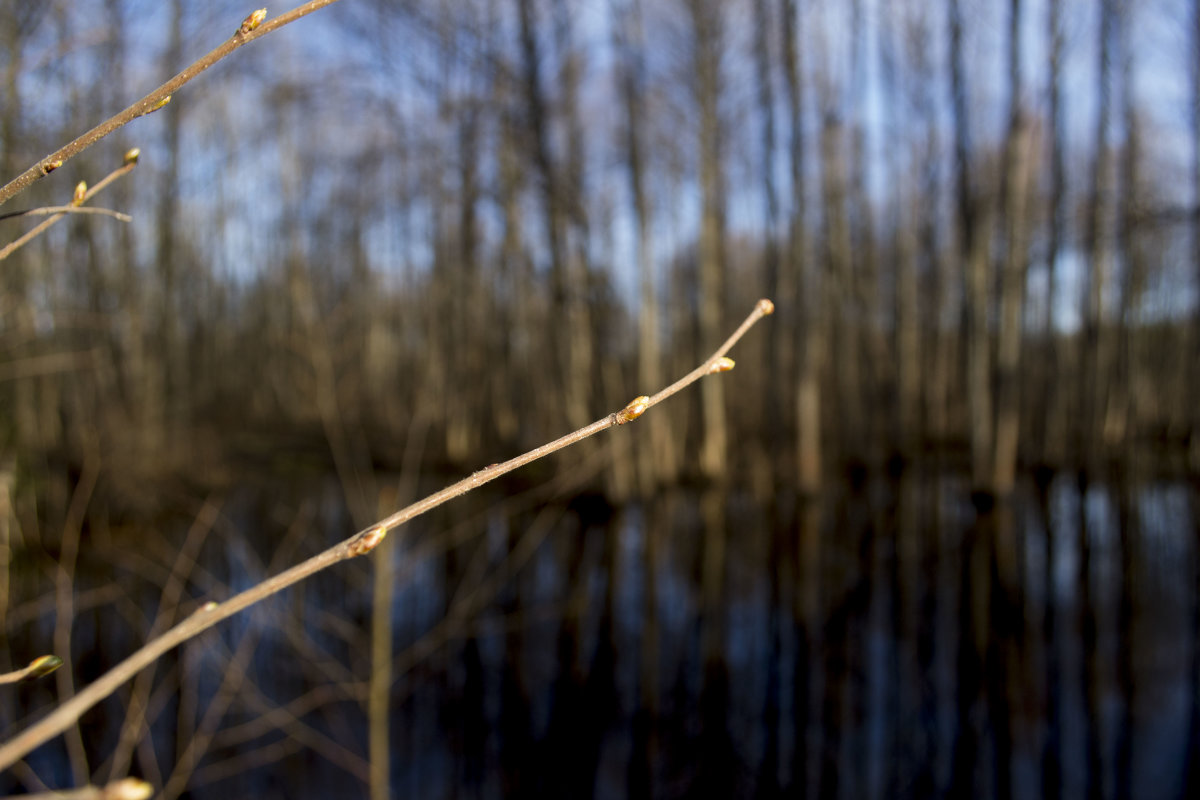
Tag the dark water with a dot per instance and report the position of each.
(890, 640)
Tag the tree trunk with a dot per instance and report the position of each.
(974, 239)
(1017, 174)
(656, 451)
(706, 30)
(1048, 426)
(797, 272)
(1095, 377)
(839, 292)
(775, 369)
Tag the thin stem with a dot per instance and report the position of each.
(360, 543)
(153, 101)
(131, 159)
(46, 211)
(42, 665)
(124, 789)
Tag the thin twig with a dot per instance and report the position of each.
(42, 665)
(131, 159)
(124, 789)
(245, 34)
(46, 211)
(360, 543)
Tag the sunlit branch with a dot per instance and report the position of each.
(83, 193)
(360, 543)
(46, 211)
(251, 28)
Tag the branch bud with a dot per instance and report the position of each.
(50, 166)
(766, 306)
(253, 21)
(722, 364)
(637, 406)
(41, 666)
(128, 789)
(80, 194)
(131, 155)
(368, 541)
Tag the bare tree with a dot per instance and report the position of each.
(974, 226)
(705, 17)
(1097, 342)
(657, 458)
(1048, 427)
(797, 274)
(1017, 168)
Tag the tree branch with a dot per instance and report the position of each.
(252, 28)
(46, 211)
(42, 665)
(360, 543)
(82, 194)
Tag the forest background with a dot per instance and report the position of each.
(398, 241)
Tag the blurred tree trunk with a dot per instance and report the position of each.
(17, 21)
(706, 21)
(938, 341)
(165, 376)
(1194, 454)
(17, 318)
(537, 125)
(706, 25)
(800, 284)
(844, 327)
(906, 311)
(777, 352)
(515, 277)
(1123, 424)
(1192, 780)
(656, 450)
(1091, 660)
(907, 221)
(1095, 377)
(1017, 176)
(801, 288)
(973, 237)
(466, 313)
(1123, 421)
(581, 389)
(1048, 427)
(567, 294)
(866, 307)
(839, 294)
(130, 333)
(380, 686)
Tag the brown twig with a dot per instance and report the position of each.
(359, 544)
(46, 211)
(42, 665)
(124, 789)
(252, 28)
(131, 159)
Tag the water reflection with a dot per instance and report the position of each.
(895, 638)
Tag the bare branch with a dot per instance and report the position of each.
(252, 28)
(81, 196)
(360, 543)
(46, 211)
(42, 665)
(124, 789)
